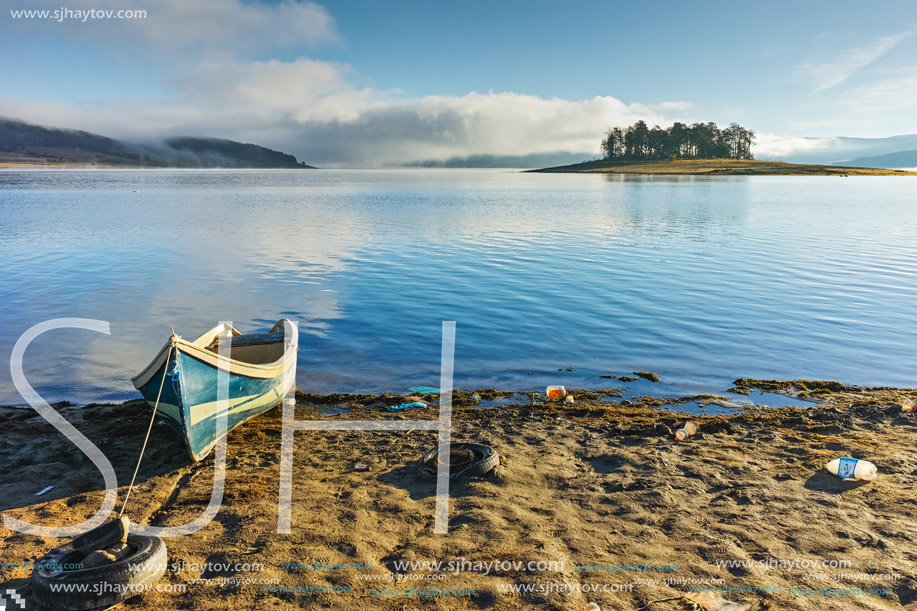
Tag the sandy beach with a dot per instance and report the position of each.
(596, 495)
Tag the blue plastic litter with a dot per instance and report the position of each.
(425, 390)
(395, 408)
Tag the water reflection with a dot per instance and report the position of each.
(700, 279)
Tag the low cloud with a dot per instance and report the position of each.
(772, 146)
(829, 150)
(310, 108)
(294, 92)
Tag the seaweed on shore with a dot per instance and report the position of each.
(647, 375)
(797, 388)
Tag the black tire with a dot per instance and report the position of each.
(101, 586)
(485, 459)
(102, 536)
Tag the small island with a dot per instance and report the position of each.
(698, 149)
(720, 167)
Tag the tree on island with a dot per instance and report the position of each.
(698, 141)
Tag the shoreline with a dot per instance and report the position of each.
(593, 483)
(718, 167)
(121, 166)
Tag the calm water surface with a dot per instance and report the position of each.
(700, 280)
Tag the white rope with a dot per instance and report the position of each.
(165, 370)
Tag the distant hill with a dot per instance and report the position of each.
(901, 159)
(220, 153)
(533, 160)
(24, 144)
(42, 142)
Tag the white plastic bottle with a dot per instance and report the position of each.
(686, 431)
(852, 469)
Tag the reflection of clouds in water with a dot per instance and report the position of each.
(338, 252)
(299, 267)
(69, 363)
(682, 207)
(196, 270)
(540, 271)
(78, 278)
(295, 260)
(252, 274)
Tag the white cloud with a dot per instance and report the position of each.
(216, 22)
(217, 85)
(898, 92)
(311, 108)
(297, 91)
(831, 73)
(829, 150)
(772, 146)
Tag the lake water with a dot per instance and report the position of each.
(700, 280)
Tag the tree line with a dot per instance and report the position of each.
(638, 142)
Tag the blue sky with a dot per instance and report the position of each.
(337, 82)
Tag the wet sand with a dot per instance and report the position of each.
(595, 483)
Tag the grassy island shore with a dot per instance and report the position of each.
(721, 167)
(596, 483)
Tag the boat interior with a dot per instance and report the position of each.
(256, 348)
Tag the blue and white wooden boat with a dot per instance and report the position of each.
(262, 369)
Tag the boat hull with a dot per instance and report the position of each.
(188, 376)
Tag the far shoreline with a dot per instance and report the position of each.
(717, 167)
(82, 166)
